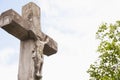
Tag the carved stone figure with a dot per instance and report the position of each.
(38, 57)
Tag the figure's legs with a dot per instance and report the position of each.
(39, 66)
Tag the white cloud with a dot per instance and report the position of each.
(6, 54)
(8, 72)
(75, 54)
(74, 28)
(8, 69)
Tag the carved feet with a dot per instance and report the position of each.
(38, 75)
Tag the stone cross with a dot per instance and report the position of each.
(33, 42)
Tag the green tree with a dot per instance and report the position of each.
(107, 67)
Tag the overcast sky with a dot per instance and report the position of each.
(73, 24)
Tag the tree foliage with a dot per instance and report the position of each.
(107, 67)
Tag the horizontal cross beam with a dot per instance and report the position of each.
(14, 24)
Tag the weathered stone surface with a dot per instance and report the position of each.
(51, 47)
(31, 13)
(27, 28)
(26, 68)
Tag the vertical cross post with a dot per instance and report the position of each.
(30, 13)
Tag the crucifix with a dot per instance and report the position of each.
(33, 42)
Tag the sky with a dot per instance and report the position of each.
(72, 24)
